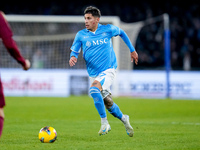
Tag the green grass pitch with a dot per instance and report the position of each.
(158, 124)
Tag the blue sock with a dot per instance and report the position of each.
(115, 111)
(98, 101)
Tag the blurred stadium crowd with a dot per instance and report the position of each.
(184, 25)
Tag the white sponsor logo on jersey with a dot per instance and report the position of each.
(100, 42)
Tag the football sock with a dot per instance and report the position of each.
(1, 125)
(98, 101)
(115, 111)
(123, 119)
(104, 120)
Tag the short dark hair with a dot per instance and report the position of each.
(93, 10)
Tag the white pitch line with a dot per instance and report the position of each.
(152, 122)
(186, 123)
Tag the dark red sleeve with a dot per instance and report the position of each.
(6, 35)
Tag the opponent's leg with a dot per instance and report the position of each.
(99, 104)
(1, 120)
(114, 109)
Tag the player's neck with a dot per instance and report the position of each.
(94, 29)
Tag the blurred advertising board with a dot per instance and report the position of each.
(63, 83)
(152, 84)
(35, 82)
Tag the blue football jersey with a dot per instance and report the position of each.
(97, 48)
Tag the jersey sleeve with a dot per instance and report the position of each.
(126, 40)
(115, 30)
(11, 46)
(76, 46)
(5, 30)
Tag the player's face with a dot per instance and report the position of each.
(91, 22)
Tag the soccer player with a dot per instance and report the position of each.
(101, 63)
(6, 36)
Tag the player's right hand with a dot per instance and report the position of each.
(28, 65)
(72, 61)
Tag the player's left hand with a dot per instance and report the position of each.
(72, 61)
(134, 55)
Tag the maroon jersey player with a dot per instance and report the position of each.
(9, 43)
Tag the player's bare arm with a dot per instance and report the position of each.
(72, 61)
(134, 56)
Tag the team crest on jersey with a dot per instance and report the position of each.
(88, 43)
(104, 34)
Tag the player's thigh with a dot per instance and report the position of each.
(106, 78)
(95, 83)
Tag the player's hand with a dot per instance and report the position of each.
(72, 61)
(134, 55)
(28, 65)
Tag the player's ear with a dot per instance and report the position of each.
(98, 19)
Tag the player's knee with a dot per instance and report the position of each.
(96, 84)
(108, 101)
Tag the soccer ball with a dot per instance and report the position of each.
(47, 135)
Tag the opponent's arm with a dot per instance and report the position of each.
(126, 40)
(11, 46)
(14, 52)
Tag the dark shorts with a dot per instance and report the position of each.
(2, 98)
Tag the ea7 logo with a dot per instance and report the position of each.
(100, 42)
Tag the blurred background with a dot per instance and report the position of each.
(47, 45)
(184, 25)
